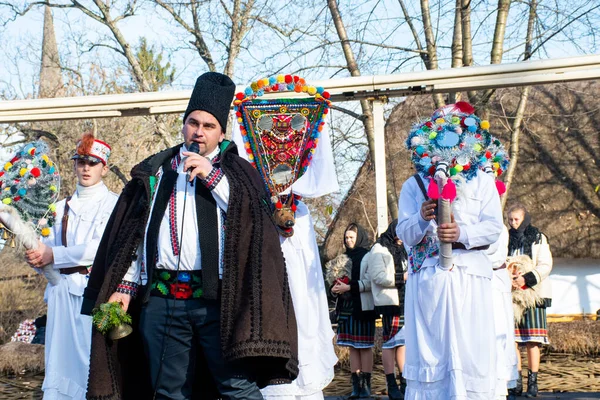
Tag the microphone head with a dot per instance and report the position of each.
(194, 148)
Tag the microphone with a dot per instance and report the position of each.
(194, 148)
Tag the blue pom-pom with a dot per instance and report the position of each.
(260, 92)
(248, 91)
(320, 89)
(472, 128)
(290, 86)
(272, 80)
(22, 192)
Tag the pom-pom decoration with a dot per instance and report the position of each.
(496, 162)
(30, 185)
(453, 137)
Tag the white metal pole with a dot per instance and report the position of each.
(380, 164)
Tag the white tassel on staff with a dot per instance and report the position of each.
(444, 214)
(26, 236)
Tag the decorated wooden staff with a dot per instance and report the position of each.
(29, 187)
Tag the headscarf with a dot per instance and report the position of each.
(388, 240)
(360, 249)
(523, 237)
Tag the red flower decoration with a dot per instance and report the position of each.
(181, 290)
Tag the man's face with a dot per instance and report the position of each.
(515, 218)
(89, 172)
(203, 128)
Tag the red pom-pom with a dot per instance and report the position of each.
(425, 155)
(428, 124)
(240, 96)
(35, 172)
(466, 167)
(449, 191)
(501, 187)
(296, 78)
(288, 79)
(238, 114)
(14, 160)
(16, 198)
(278, 205)
(326, 95)
(431, 170)
(2, 173)
(488, 154)
(433, 190)
(464, 107)
(326, 111)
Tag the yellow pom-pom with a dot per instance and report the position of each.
(22, 171)
(45, 158)
(477, 147)
(250, 157)
(266, 82)
(7, 200)
(7, 166)
(440, 121)
(52, 207)
(305, 89)
(312, 90)
(485, 124)
(458, 167)
(432, 135)
(496, 166)
(280, 78)
(240, 120)
(254, 86)
(45, 232)
(53, 188)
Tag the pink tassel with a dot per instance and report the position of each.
(501, 187)
(449, 191)
(432, 190)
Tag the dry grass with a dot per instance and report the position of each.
(18, 357)
(21, 293)
(575, 337)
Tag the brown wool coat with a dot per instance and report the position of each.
(258, 327)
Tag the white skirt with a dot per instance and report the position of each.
(68, 340)
(449, 328)
(316, 354)
(506, 367)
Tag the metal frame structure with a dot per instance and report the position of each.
(376, 88)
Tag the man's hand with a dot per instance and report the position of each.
(428, 209)
(40, 257)
(122, 298)
(197, 165)
(450, 232)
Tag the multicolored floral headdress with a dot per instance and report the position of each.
(281, 135)
(30, 183)
(454, 138)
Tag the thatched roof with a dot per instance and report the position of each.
(557, 172)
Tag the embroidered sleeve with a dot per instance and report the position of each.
(213, 178)
(127, 287)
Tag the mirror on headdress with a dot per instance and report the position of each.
(298, 122)
(265, 123)
(281, 174)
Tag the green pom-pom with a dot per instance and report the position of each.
(162, 288)
(165, 276)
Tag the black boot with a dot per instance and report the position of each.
(518, 390)
(356, 385)
(402, 385)
(394, 392)
(511, 394)
(365, 390)
(532, 386)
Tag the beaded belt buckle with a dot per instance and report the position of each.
(180, 285)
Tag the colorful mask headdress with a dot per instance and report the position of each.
(29, 188)
(281, 135)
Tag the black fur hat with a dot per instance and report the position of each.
(212, 93)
